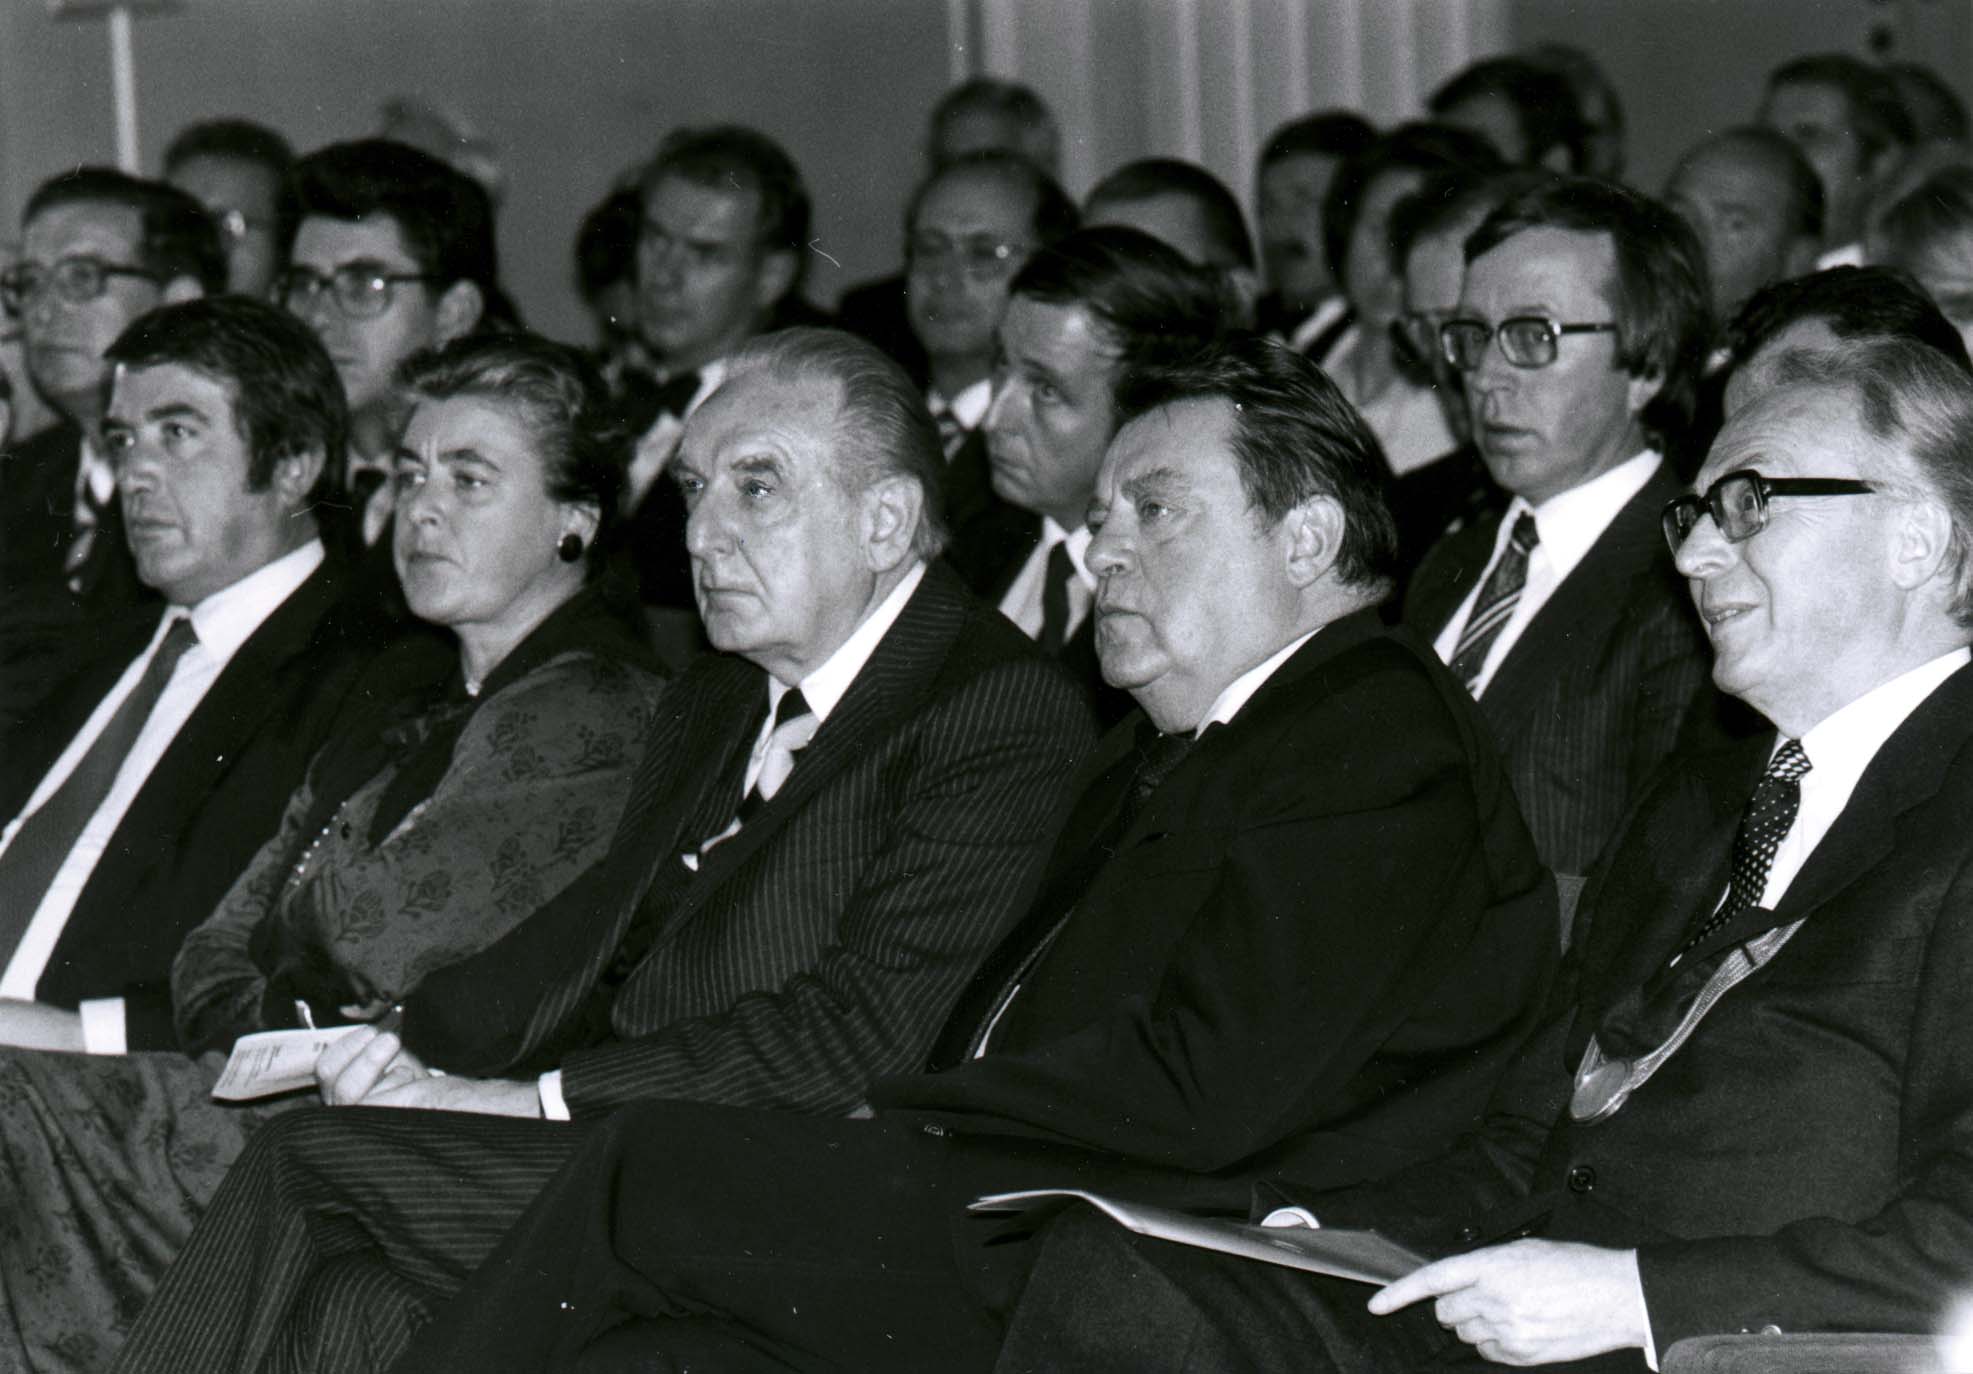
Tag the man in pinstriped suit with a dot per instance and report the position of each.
(1236, 956)
(798, 892)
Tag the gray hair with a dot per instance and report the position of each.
(883, 428)
(1911, 397)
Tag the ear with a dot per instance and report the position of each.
(776, 279)
(1557, 160)
(458, 314)
(581, 518)
(1643, 390)
(888, 514)
(181, 289)
(1923, 545)
(295, 476)
(1312, 538)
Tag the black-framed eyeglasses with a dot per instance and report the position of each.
(1525, 340)
(1738, 503)
(978, 258)
(359, 290)
(77, 280)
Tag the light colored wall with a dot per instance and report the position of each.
(570, 90)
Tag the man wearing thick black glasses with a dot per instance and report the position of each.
(1750, 1108)
(99, 249)
(1578, 334)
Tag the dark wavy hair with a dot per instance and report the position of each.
(287, 399)
(557, 393)
(176, 237)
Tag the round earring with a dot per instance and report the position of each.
(570, 548)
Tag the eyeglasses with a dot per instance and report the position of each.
(977, 259)
(1417, 334)
(361, 291)
(77, 280)
(1525, 340)
(1738, 503)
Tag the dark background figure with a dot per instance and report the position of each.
(239, 171)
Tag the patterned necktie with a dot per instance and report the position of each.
(1763, 825)
(952, 434)
(1055, 598)
(1495, 605)
(45, 838)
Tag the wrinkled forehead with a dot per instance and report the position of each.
(756, 415)
(1798, 430)
(1186, 444)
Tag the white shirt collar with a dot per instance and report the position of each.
(824, 687)
(1237, 693)
(1571, 522)
(1842, 744)
(1077, 540)
(969, 407)
(94, 471)
(226, 619)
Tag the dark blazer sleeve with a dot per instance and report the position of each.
(1320, 927)
(925, 849)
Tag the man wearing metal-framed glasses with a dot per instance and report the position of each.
(99, 248)
(1578, 337)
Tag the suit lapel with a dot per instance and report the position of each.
(1448, 573)
(1582, 610)
(884, 692)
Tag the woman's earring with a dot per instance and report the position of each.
(570, 548)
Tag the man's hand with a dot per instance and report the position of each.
(33, 1026)
(1531, 1301)
(372, 1068)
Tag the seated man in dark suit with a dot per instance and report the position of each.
(985, 114)
(971, 227)
(1750, 1104)
(833, 822)
(141, 790)
(1234, 959)
(99, 248)
(1080, 315)
(1579, 334)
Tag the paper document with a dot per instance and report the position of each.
(276, 1061)
(1363, 1256)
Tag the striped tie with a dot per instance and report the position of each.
(1496, 602)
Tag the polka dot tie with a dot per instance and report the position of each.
(1769, 814)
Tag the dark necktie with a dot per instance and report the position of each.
(46, 837)
(1763, 825)
(364, 484)
(642, 398)
(1055, 598)
(1494, 606)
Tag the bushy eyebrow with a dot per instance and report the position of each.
(1162, 481)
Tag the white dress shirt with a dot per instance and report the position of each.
(1569, 525)
(1408, 420)
(658, 443)
(969, 407)
(223, 622)
(1022, 603)
(1228, 703)
(823, 690)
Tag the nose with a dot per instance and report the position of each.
(1000, 410)
(1109, 551)
(1705, 552)
(313, 308)
(136, 468)
(417, 502)
(708, 533)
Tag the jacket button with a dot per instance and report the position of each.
(1468, 1234)
(1582, 1179)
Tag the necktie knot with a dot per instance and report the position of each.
(1769, 816)
(1526, 534)
(1494, 606)
(1789, 762)
(794, 726)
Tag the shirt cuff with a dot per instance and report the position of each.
(103, 1026)
(554, 1108)
(1291, 1216)
(1643, 1313)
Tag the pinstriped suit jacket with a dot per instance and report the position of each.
(825, 942)
(1608, 678)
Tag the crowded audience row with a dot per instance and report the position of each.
(1332, 737)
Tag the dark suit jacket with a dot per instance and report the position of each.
(1261, 971)
(41, 616)
(875, 309)
(212, 800)
(825, 941)
(1608, 677)
(1803, 1159)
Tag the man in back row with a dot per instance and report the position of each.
(1233, 959)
